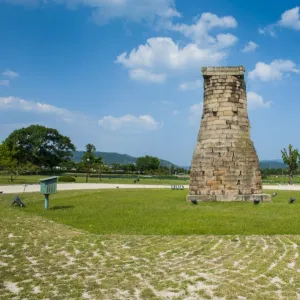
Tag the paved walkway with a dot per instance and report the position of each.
(12, 189)
(284, 187)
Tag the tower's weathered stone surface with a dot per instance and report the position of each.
(225, 165)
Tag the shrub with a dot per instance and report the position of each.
(66, 179)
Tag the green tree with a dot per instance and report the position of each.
(91, 161)
(163, 170)
(147, 163)
(88, 159)
(69, 165)
(79, 166)
(128, 168)
(9, 163)
(97, 165)
(40, 146)
(291, 158)
(116, 167)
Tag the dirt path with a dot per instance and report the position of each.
(12, 189)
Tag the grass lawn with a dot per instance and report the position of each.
(34, 179)
(42, 258)
(277, 179)
(163, 212)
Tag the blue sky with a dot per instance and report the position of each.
(125, 75)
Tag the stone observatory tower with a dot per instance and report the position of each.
(225, 165)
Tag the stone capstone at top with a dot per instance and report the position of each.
(235, 71)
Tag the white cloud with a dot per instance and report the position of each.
(129, 123)
(144, 75)
(161, 55)
(4, 82)
(104, 11)
(14, 103)
(225, 40)
(273, 71)
(10, 74)
(291, 18)
(250, 47)
(190, 85)
(82, 129)
(256, 101)
(164, 53)
(195, 114)
(199, 32)
(268, 30)
(135, 10)
(175, 112)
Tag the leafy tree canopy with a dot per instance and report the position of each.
(147, 163)
(291, 157)
(90, 161)
(40, 146)
(11, 164)
(89, 155)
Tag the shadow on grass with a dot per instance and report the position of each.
(61, 207)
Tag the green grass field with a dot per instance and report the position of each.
(163, 212)
(34, 179)
(126, 244)
(277, 179)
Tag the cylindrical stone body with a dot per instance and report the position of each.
(225, 164)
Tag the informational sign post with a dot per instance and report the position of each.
(48, 187)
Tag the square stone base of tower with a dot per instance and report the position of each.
(232, 198)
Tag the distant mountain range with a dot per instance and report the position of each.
(272, 164)
(123, 159)
(110, 158)
(264, 164)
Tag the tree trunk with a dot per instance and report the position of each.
(99, 174)
(291, 181)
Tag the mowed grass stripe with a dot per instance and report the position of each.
(163, 212)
